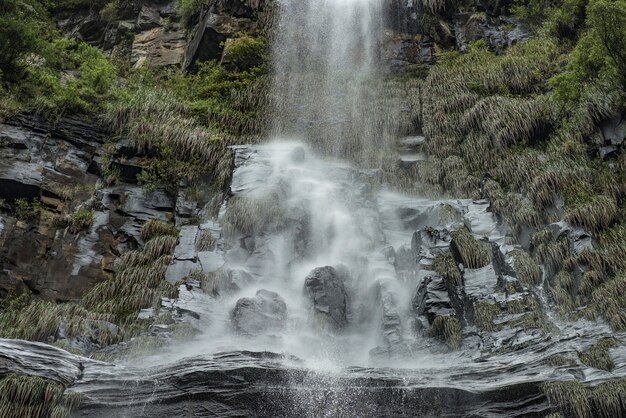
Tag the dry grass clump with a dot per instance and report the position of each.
(139, 283)
(205, 241)
(31, 396)
(526, 269)
(474, 254)
(160, 246)
(559, 361)
(526, 303)
(445, 265)
(594, 215)
(249, 215)
(598, 356)
(484, 314)
(155, 227)
(448, 330)
(573, 398)
(609, 300)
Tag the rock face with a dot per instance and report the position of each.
(158, 47)
(431, 298)
(325, 288)
(50, 165)
(216, 26)
(265, 312)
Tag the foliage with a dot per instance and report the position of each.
(81, 220)
(598, 354)
(44, 72)
(27, 211)
(21, 27)
(212, 93)
(599, 56)
(244, 53)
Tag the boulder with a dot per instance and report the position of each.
(431, 298)
(614, 131)
(148, 18)
(325, 289)
(265, 312)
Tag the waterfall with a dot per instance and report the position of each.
(326, 66)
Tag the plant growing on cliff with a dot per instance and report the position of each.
(26, 211)
(32, 396)
(80, 220)
(448, 330)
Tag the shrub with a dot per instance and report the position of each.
(244, 53)
(81, 220)
(27, 211)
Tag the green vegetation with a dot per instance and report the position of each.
(531, 119)
(448, 330)
(575, 399)
(40, 71)
(189, 10)
(475, 254)
(27, 211)
(31, 396)
(598, 354)
(81, 220)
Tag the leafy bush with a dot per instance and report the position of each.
(21, 30)
(599, 56)
(27, 211)
(244, 53)
(81, 220)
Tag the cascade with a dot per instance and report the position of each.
(329, 291)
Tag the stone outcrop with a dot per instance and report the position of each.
(265, 313)
(325, 289)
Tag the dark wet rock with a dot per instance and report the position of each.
(431, 298)
(210, 35)
(148, 18)
(326, 290)
(38, 359)
(434, 240)
(499, 262)
(578, 238)
(614, 131)
(392, 342)
(42, 162)
(497, 33)
(608, 151)
(266, 312)
(185, 206)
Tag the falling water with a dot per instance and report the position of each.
(326, 60)
(297, 204)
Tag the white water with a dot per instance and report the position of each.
(326, 64)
